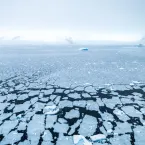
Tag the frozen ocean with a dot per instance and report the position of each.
(62, 95)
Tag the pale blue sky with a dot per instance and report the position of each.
(92, 17)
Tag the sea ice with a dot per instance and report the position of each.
(3, 105)
(22, 107)
(11, 138)
(48, 92)
(19, 87)
(51, 109)
(131, 111)
(106, 116)
(72, 114)
(62, 120)
(61, 128)
(80, 103)
(65, 103)
(22, 126)
(52, 97)
(4, 116)
(107, 125)
(44, 99)
(74, 96)
(11, 97)
(47, 143)
(126, 100)
(2, 98)
(86, 95)
(38, 106)
(120, 140)
(88, 126)
(34, 100)
(100, 102)
(57, 99)
(26, 142)
(139, 133)
(47, 136)
(98, 138)
(90, 89)
(64, 140)
(59, 90)
(77, 139)
(91, 105)
(120, 114)
(35, 128)
(123, 128)
(74, 126)
(110, 103)
(50, 120)
(33, 93)
(7, 127)
(22, 97)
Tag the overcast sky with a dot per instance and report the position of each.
(122, 19)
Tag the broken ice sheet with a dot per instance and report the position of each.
(80, 139)
(33, 93)
(35, 128)
(121, 140)
(88, 126)
(74, 126)
(64, 140)
(3, 105)
(123, 128)
(65, 103)
(131, 111)
(98, 138)
(61, 128)
(2, 98)
(111, 102)
(92, 105)
(47, 136)
(139, 133)
(50, 120)
(11, 138)
(22, 126)
(120, 114)
(74, 96)
(22, 107)
(80, 103)
(72, 114)
(22, 97)
(7, 127)
(50, 109)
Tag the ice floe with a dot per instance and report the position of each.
(72, 114)
(98, 138)
(51, 109)
(88, 126)
(80, 139)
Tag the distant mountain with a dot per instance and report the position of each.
(1, 38)
(16, 38)
(141, 42)
(69, 40)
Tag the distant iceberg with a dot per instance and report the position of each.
(84, 49)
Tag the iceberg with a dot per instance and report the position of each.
(83, 49)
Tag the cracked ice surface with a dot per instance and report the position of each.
(118, 113)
